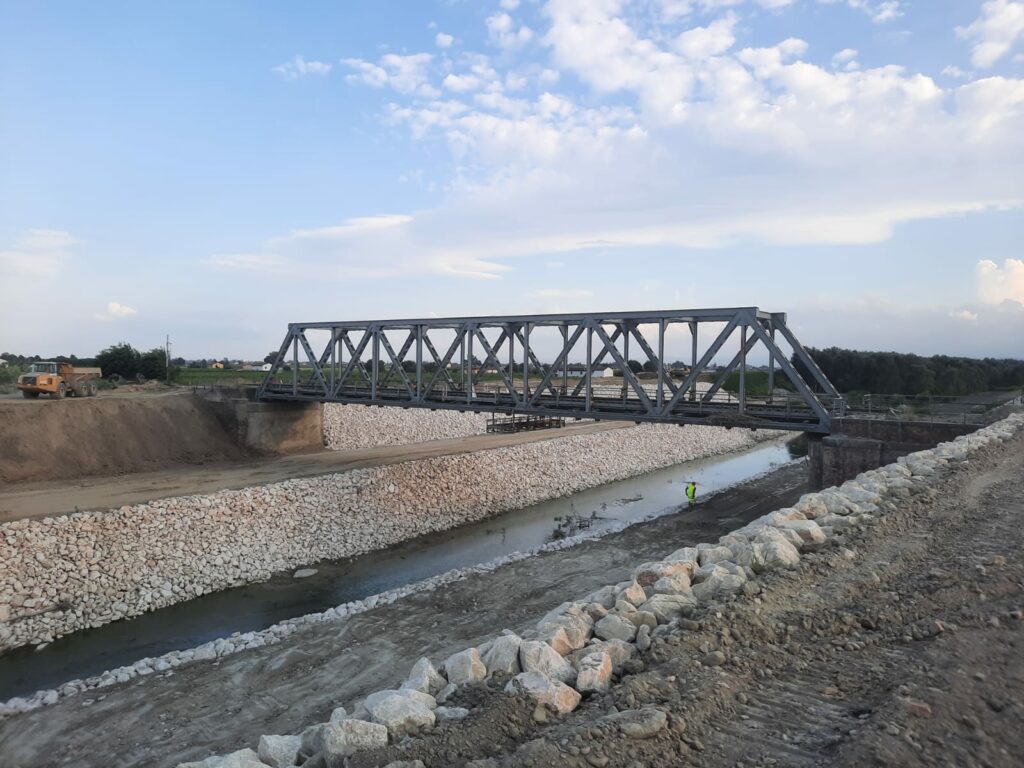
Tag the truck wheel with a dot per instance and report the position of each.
(60, 392)
(92, 389)
(29, 395)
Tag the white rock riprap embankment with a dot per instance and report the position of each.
(87, 569)
(348, 427)
(556, 673)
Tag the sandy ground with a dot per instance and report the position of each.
(213, 708)
(39, 499)
(905, 650)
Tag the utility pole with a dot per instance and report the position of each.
(167, 360)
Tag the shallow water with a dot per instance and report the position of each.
(257, 606)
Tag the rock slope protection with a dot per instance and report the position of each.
(347, 427)
(579, 648)
(87, 569)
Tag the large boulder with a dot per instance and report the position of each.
(648, 573)
(618, 651)
(671, 585)
(614, 627)
(539, 657)
(717, 580)
(632, 593)
(553, 694)
(573, 619)
(503, 655)
(403, 712)
(668, 607)
(279, 751)
(339, 740)
(595, 673)
(243, 758)
(778, 551)
(465, 667)
(809, 531)
(713, 555)
(424, 678)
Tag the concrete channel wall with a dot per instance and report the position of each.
(87, 569)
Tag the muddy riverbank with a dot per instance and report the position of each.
(214, 707)
(257, 606)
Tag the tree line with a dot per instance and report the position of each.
(906, 374)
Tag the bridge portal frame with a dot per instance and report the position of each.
(374, 372)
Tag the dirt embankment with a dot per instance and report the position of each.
(67, 439)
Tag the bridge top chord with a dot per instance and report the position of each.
(493, 364)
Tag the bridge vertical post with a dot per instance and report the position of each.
(661, 363)
(469, 331)
(526, 362)
(295, 365)
(771, 361)
(625, 356)
(419, 363)
(565, 359)
(334, 356)
(375, 363)
(590, 367)
(743, 368)
(693, 363)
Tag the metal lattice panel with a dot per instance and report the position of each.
(491, 364)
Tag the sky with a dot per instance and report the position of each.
(213, 171)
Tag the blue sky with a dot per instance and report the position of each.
(215, 170)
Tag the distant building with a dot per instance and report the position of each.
(605, 373)
(218, 366)
(266, 366)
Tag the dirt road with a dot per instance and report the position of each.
(24, 500)
(213, 708)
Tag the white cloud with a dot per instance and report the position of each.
(998, 284)
(443, 40)
(699, 145)
(509, 5)
(994, 33)
(712, 40)
(501, 30)
(880, 11)
(846, 59)
(561, 293)
(955, 72)
(963, 314)
(298, 67)
(405, 74)
(39, 253)
(115, 311)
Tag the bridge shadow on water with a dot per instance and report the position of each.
(258, 606)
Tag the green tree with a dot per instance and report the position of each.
(153, 364)
(121, 359)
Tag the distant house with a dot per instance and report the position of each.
(218, 366)
(605, 373)
(266, 366)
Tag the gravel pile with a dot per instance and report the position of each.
(87, 569)
(578, 648)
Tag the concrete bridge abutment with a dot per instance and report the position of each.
(858, 445)
(269, 427)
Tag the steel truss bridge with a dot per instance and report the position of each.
(492, 364)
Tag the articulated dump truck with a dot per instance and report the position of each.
(58, 380)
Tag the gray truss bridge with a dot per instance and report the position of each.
(493, 364)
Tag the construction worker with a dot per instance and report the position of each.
(691, 492)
